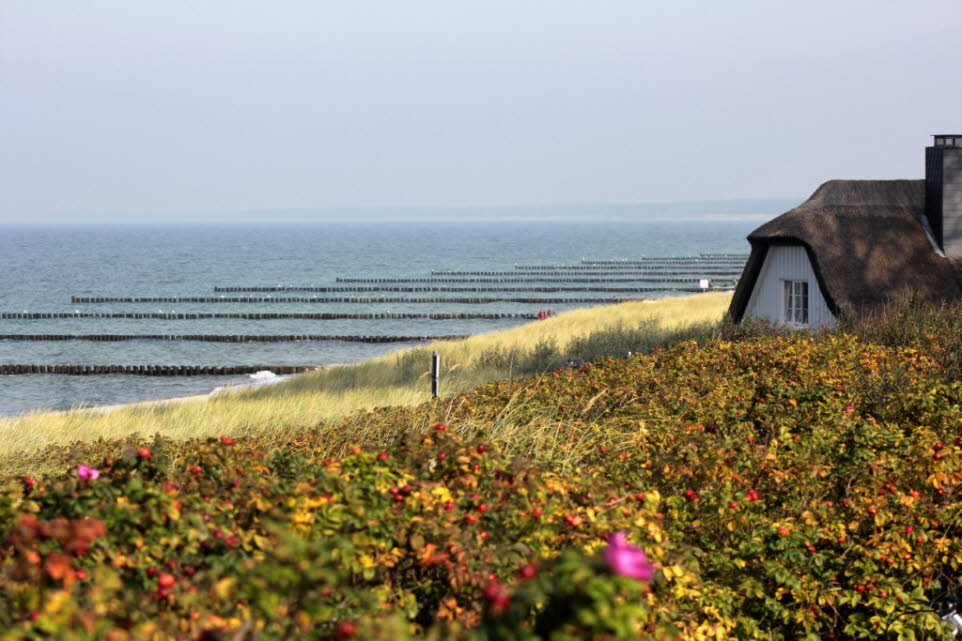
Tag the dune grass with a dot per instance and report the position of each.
(401, 378)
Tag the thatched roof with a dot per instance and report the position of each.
(867, 245)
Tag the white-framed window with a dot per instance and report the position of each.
(796, 302)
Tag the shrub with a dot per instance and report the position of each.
(937, 329)
(786, 487)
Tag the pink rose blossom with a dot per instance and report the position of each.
(87, 473)
(627, 560)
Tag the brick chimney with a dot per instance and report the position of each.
(943, 192)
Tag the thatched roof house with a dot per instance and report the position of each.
(854, 244)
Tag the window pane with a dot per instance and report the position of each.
(796, 302)
(788, 301)
(803, 302)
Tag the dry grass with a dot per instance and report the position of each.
(397, 379)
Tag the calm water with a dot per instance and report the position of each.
(42, 267)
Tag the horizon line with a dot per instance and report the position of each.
(712, 208)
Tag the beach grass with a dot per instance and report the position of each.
(321, 400)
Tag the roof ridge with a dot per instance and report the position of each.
(898, 192)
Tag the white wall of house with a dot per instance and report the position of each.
(767, 300)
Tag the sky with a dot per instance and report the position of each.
(182, 110)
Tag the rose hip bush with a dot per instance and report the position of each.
(779, 488)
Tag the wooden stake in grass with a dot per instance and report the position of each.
(435, 374)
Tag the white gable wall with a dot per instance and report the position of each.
(767, 301)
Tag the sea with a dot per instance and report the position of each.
(43, 266)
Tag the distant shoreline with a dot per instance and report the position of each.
(733, 209)
(234, 221)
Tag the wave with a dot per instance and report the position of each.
(257, 379)
(264, 376)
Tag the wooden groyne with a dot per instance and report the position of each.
(227, 338)
(524, 279)
(545, 289)
(696, 260)
(661, 263)
(722, 255)
(265, 316)
(182, 300)
(625, 273)
(14, 369)
(658, 269)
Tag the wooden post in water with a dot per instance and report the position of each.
(435, 374)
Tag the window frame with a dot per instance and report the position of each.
(796, 307)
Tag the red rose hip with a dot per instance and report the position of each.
(345, 630)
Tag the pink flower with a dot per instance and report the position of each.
(87, 473)
(627, 560)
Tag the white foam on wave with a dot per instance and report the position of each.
(264, 376)
(257, 379)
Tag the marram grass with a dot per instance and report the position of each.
(401, 378)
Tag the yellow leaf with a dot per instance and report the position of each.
(224, 587)
(936, 480)
(303, 622)
(673, 571)
(315, 502)
(57, 601)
